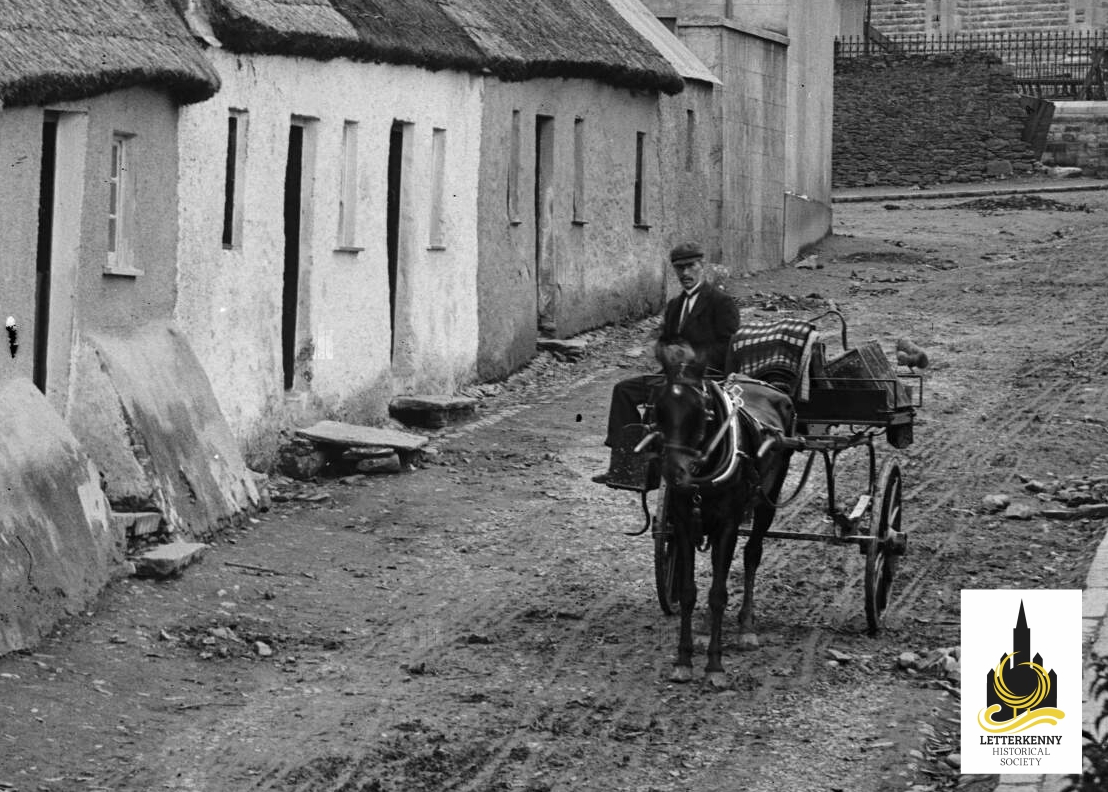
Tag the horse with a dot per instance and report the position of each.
(720, 465)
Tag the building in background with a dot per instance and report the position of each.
(774, 62)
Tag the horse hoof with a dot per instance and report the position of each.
(681, 673)
(718, 680)
(748, 642)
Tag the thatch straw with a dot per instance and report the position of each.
(414, 32)
(563, 38)
(59, 50)
(512, 39)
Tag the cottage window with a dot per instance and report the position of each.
(121, 207)
(438, 164)
(233, 179)
(640, 181)
(579, 171)
(513, 170)
(348, 188)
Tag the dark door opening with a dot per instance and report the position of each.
(291, 295)
(396, 162)
(44, 252)
(545, 282)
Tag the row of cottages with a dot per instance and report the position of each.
(413, 192)
(389, 198)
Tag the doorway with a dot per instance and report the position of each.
(44, 252)
(545, 280)
(392, 231)
(294, 176)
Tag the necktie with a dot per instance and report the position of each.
(685, 308)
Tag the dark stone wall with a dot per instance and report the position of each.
(914, 119)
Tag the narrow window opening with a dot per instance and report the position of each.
(233, 179)
(513, 169)
(640, 146)
(348, 189)
(579, 170)
(438, 164)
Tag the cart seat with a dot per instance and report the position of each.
(777, 353)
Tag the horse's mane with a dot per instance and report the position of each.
(679, 358)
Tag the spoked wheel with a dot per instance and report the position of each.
(888, 542)
(665, 554)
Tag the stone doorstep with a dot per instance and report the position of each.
(570, 347)
(431, 410)
(168, 559)
(134, 524)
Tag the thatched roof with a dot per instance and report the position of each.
(59, 50)
(511, 39)
(414, 32)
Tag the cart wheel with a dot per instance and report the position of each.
(665, 554)
(887, 544)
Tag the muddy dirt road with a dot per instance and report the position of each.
(482, 623)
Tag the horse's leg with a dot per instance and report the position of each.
(723, 551)
(764, 511)
(685, 572)
(752, 557)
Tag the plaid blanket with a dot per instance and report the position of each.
(777, 352)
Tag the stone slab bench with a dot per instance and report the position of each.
(347, 435)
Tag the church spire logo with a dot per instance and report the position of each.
(1021, 681)
(1020, 692)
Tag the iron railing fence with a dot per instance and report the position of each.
(1040, 59)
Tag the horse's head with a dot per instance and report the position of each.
(681, 413)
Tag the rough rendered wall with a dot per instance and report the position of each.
(20, 153)
(754, 128)
(603, 266)
(962, 109)
(231, 299)
(810, 109)
(691, 206)
(113, 301)
(57, 548)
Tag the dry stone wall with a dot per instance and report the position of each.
(919, 120)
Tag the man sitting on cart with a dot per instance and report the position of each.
(702, 316)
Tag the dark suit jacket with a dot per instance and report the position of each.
(708, 329)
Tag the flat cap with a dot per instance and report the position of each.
(686, 252)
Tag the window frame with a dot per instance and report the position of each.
(120, 253)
